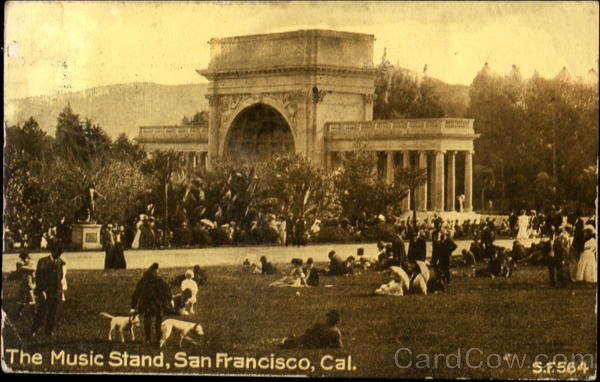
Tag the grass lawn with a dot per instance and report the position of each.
(522, 316)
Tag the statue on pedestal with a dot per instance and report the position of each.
(87, 213)
(461, 202)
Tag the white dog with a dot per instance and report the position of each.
(185, 328)
(121, 323)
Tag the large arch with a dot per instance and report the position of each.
(257, 132)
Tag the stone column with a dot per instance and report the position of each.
(213, 130)
(389, 168)
(406, 164)
(468, 181)
(451, 185)
(438, 182)
(421, 202)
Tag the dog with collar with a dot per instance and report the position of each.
(185, 329)
(122, 323)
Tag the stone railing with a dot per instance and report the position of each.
(397, 127)
(194, 133)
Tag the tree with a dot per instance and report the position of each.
(497, 107)
(293, 187)
(164, 168)
(360, 190)
(226, 192)
(411, 178)
(27, 155)
(400, 93)
(125, 150)
(486, 180)
(200, 118)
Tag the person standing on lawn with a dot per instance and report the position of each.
(445, 248)
(48, 289)
(399, 250)
(558, 264)
(151, 298)
(417, 252)
(586, 267)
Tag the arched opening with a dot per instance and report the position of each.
(257, 133)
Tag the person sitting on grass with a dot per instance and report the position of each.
(399, 284)
(428, 280)
(312, 274)
(266, 267)
(363, 262)
(500, 265)
(251, 268)
(319, 336)
(477, 249)
(295, 278)
(469, 261)
(190, 283)
(179, 302)
(337, 265)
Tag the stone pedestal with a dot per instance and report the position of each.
(86, 236)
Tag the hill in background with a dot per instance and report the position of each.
(123, 108)
(118, 108)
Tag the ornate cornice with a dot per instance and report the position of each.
(340, 70)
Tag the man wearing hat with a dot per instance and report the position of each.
(151, 298)
(48, 279)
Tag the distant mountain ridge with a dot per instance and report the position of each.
(122, 108)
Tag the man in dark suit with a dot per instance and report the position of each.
(151, 298)
(48, 288)
(399, 251)
(445, 248)
(417, 252)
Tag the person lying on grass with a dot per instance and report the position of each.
(319, 336)
(295, 278)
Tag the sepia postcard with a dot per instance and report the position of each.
(361, 189)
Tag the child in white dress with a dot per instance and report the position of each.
(190, 283)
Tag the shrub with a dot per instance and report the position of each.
(332, 234)
(380, 231)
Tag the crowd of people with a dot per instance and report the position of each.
(566, 245)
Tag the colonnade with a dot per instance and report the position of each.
(196, 160)
(441, 168)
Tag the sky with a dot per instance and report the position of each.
(58, 47)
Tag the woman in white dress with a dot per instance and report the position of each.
(296, 277)
(138, 232)
(523, 224)
(586, 267)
